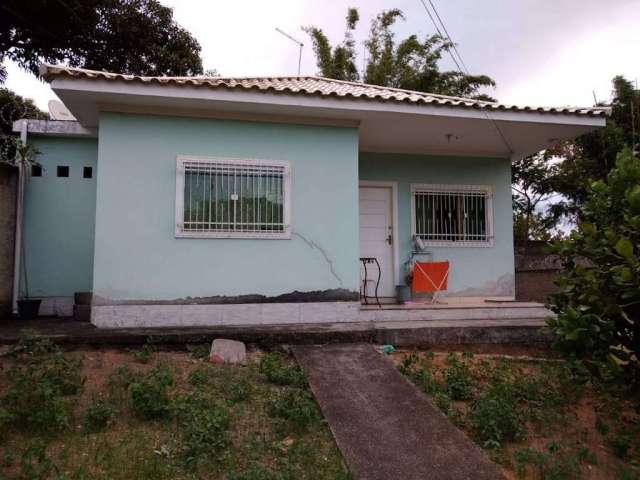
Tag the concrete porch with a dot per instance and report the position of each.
(454, 309)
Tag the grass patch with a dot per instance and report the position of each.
(541, 420)
(110, 416)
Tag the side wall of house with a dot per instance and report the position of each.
(139, 260)
(474, 271)
(59, 223)
(8, 190)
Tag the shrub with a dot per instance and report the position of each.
(442, 401)
(495, 418)
(205, 434)
(420, 374)
(296, 407)
(32, 405)
(97, 415)
(278, 370)
(33, 346)
(149, 396)
(621, 445)
(200, 376)
(118, 383)
(598, 305)
(143, 355)
(237, 390)
(201, 350)
(204, 427)
(36, 465)
(627, 473)
(458, 379)
(555, 465)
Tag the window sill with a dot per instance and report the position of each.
(231, 235)
(460, 244)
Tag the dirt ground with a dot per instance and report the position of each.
(580, 438)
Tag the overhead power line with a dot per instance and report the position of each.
(455, 49)
(460, 69)
(435, 24)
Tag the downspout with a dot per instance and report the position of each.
(17, 248)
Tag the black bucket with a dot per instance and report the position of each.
(28, 309)
(403, 294)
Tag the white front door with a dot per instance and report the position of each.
(376, 237)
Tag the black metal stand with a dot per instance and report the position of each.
(363, 289)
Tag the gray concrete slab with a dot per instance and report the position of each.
(384, 426)
(400, 333)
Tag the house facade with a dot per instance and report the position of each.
(205, 201)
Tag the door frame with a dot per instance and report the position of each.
(395, 256)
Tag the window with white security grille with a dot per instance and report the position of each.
(452, 215)
(232, 198)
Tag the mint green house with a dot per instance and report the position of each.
(206, 201)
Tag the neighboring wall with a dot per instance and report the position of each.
(537, 270)
(138, 258)
(474, 271)
(59, 223)
(8, 187)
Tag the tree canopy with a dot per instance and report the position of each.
(532, 186)
(13, 107)
(598, 305)
(592, 156)
(338, 62)
(411, 64)
(128, 36)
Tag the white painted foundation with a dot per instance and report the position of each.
(124, 316)
(251, 314)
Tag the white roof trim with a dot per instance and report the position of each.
(253, 99)
(55, 128)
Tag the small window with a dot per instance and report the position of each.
(229, 198)
(452, 215)
(63, 171)
(87, 172)
(36, 171)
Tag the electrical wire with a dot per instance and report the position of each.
(466, 70)
(426, 9)
(453, 45)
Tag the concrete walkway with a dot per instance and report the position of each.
(384, 426)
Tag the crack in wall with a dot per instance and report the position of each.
(314, 245)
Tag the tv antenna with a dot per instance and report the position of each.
(298, 42)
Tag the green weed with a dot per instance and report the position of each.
(149, 395)
(621, 445)
(204, 428)
(144, 354)
(40, 379)
(495, 418)
(199, 351)
(97, 416)
(296, 408)
(279, 371)
(459, 381)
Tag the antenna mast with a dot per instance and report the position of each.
(298, 42)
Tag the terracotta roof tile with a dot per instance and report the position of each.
(310, 85)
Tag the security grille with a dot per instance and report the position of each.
(233, 198)
(456, 215)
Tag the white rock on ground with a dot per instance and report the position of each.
(227, 351)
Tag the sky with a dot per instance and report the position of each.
(539, 52)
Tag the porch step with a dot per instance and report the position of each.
(523, 331)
